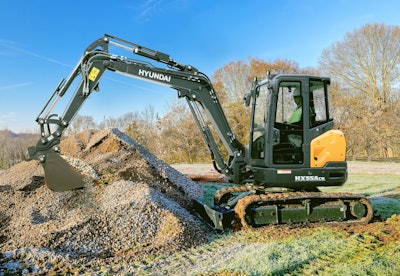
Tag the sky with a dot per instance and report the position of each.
(41, 41)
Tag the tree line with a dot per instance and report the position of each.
(13, 147)
(365, 94)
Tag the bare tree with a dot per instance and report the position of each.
(366, 66)
(367, 62)
(231, 81)
(182, 141)
(279, 66)
(13, 147)
(80, 123)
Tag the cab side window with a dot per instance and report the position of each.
(318, 104)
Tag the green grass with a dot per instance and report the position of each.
(362, 254)
(382, 190)
(285, 256)
(385, 207)
(209, 192)
(367, 184)
(306, 251)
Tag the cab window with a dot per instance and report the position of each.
(319, 110)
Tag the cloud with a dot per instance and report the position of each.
(46, 58)
(15, 85)
(147, 9)
(12, 48)
(150, 6)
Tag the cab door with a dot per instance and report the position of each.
(277, 126)
(288, 123)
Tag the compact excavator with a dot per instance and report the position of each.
(276, 177)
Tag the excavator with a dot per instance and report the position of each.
(275, 178)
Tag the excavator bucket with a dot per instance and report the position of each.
(59, 175)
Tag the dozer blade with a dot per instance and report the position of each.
(59, 175)
(217, 219)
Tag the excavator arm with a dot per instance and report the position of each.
(190, 84)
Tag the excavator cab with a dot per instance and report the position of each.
(293, 143)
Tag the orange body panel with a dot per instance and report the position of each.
(329, 147)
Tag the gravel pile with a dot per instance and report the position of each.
(133, 207)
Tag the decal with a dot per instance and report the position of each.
(284, 171)
(154, 75)
(93, 73)
(310, 178)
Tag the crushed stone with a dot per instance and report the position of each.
(134, 206)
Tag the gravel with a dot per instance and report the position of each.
(133, 207)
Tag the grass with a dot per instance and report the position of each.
(284, 256)
(360, 254)
(209, 191)
(284, 250)
(368, 184)
(382, 190)
(307, 251)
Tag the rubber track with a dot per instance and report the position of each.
(244, 203)
(235, 189)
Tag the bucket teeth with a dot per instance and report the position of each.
(59, 175)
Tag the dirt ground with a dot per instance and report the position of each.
(202, 173)
(373, 168)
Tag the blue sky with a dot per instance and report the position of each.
(41, 41)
